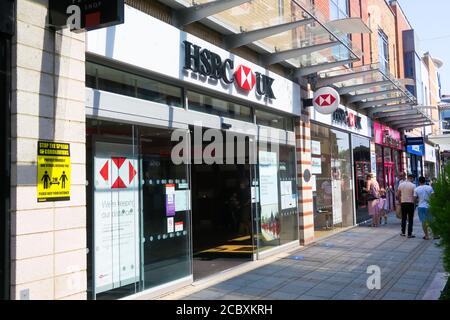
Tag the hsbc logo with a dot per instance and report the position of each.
(326, 100)
(210, 64)
(118, 172)
(245, 78)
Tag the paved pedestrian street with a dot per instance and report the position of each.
(336, 268)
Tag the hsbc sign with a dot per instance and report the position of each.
(326, 100)
(210, 64)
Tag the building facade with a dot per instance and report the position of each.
(188, 139)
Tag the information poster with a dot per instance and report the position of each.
(53, 171)
(116, 216)
(337, 201)
(316, 165)
(315, 147)
(182, 200)
(170, 200)
(268, 186)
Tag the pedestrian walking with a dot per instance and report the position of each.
(422, 195)
(405, 193)
(373, 198)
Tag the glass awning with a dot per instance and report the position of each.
(283, 31)
(371, 89)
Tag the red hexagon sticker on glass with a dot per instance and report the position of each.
(245, 78)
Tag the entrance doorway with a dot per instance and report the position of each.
(221, 216)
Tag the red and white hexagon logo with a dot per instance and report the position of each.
(326, 100)
(245, 78)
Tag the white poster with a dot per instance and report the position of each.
(337, 201)
(286, 187)
(268, 186)
(268, 178)
(170, 225)
(315, 147)
(316, 165)
(182, 200)
(314, 183)
(373, 162)
(116, 212)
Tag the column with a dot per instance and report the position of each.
(48, 240)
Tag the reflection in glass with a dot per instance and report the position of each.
(361, 156)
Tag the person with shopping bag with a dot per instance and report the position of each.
(373, 197)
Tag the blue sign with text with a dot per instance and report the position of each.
(418, 149)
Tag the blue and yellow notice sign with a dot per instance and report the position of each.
(53, 171)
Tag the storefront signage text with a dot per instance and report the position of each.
(390, 141)
(210, 64)
(348, 119)
(387, 136)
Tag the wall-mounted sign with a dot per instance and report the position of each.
(387, 136)
(326, 100)
(53, 171)
(210, 64)
(415, 145)
(346, 118)
(86, 14)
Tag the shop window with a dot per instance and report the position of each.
(274, 120)
(383, 51)
(112, 80)
(203, 103)
(138, 212)
(361, 156)
(332, 181)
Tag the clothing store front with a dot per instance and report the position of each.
(189, 174)
(340, 155)
(388, 149)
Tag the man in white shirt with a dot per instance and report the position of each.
(422, 194)
(405, 193)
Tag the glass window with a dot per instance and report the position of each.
(332, 182)
(112, 80)
(387, 154)
(339, 9)
(274, 120)
(204, 103)
(138, 210)
(361, 156)
(383, 51)
(277, 209)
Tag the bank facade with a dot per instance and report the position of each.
(194, 149)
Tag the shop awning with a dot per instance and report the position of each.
(372, 90)
(289, 32)
(443, 140)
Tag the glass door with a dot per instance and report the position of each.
(116, 202)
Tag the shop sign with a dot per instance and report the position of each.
(53, 171)
(209, 64)
(387, 136)
(326, 100)
(415, 145)
(86, 14)
(348, 119)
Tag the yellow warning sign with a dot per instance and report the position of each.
(53, 173)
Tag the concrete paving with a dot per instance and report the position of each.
(336, 268)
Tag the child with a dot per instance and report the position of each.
(383, 206)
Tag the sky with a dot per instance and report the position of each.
(431, 21)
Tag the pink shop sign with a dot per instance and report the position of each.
(387, 136)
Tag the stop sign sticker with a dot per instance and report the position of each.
(326, 100)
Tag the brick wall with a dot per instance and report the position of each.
(48, 240)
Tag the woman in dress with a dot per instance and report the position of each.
(373, 190)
